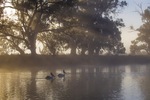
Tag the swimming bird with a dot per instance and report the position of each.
(62, 74)
(50, 77)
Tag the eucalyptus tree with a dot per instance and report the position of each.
(65, 34)
(99, 20)
(51, 44)
(31, 18)
(91, 26)
(142, 42)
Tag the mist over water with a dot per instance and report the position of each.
(126, 82)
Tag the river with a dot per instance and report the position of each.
(124, 82)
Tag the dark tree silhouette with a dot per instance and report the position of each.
(32, 18)
(90, 26)
(83, 25)
(142, 42)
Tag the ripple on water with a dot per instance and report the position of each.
(81, 83)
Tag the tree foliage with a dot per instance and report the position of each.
(83, 26)
(90, 26)
(142, 42)
(31, 18)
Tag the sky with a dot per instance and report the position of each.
(131, 18)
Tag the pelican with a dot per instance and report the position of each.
(50, 77)
(62, 74)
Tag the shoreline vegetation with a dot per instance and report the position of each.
(63, 60)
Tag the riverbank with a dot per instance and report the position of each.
(44, 60)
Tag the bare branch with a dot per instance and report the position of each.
(140, 11)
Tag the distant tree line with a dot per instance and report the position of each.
(83, 26)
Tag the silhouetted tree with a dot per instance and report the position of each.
(86, 25)
(142, 42)
(31, 18)
(99, 21)
(90, 26)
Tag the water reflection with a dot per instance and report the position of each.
(80, 83)
(13, 85)
(130, 84)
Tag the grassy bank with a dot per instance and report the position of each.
(44, 60)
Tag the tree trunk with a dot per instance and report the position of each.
(32, 45)
(97, 51)
(21, 52)
(33, 49)
(19, 49)
(83, 51)
(90, 50)
(73, 49)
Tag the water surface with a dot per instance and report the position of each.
(128, 82)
